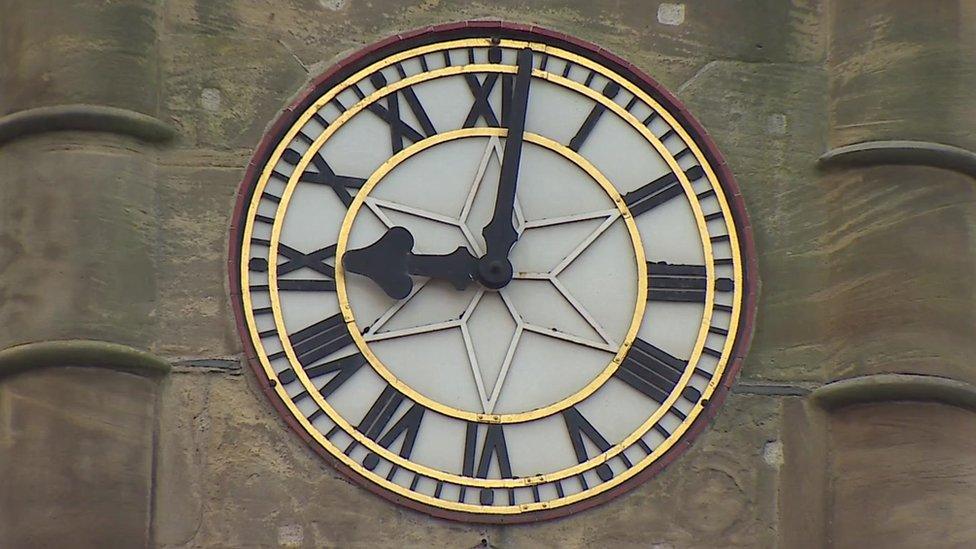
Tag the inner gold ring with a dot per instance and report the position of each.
(381, 368)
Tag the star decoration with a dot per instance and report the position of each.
(490, 378)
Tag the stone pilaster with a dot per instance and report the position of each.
(77, 439)
(78, 237)
(898, 182)
(79, 215)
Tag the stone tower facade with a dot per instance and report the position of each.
(127, 419)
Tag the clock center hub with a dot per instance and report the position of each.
(495, 274)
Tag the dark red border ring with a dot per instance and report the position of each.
(470, 29)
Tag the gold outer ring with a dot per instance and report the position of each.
(559, 502)
(395, 458)
(412, 393)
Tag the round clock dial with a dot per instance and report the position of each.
(492, 273)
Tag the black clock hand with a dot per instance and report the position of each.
(390, 261)
(494, 269)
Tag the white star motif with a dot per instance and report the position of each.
(489, 392)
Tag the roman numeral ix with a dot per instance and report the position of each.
(297, 260)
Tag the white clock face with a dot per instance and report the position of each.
(490, 277)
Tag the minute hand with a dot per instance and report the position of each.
(500, 234)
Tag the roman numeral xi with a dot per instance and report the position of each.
(400, 130)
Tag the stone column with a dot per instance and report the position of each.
(78, 219)
(77, 437)
(898, 181)
(78, 239)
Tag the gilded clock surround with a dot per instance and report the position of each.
(357, 334)
(469, 511)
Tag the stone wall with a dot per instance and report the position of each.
(125, 129)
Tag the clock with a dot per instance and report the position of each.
(491, 272)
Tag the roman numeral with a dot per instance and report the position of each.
(380, 414)
(654, 372)
(683, 283)
(659, 191)
(610, 90)
(579, 427)
(315, 261)
(306, 285)
(344, 368)
(481, 108)
(320, 339)
(391, 114)
(340, 184)
(481, 89)
(494, 449)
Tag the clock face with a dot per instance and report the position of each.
(491, 273)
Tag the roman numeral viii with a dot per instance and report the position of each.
(320, 340)
(579, 427)
(654, 372)
(374, 425)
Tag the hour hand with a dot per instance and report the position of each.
(390, 261)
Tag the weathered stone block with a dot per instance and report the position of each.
(78, 232)
(898, 71)
(196, 197)
(902, 475)
(231, 474)
(76, 452)
(56, 52)
(901, 288)
(767, 120)
(225, 89)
